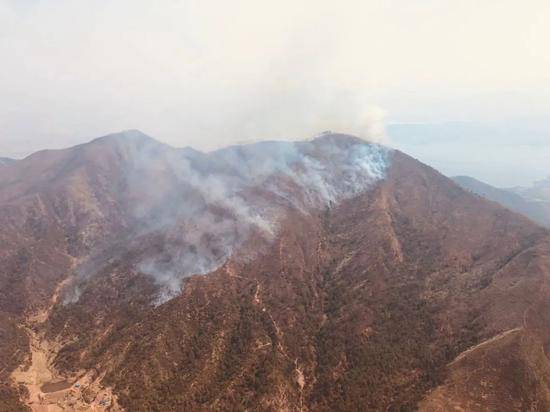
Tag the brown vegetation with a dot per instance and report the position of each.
(365, 305)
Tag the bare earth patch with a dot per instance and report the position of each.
(48, 391)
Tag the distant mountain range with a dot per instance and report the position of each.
(539, 192)
(533, 202)
(5, 161)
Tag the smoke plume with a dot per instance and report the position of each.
(192, 210)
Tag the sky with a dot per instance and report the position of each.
(462, 85)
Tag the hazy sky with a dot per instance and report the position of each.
(207, 73)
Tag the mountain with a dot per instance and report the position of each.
(326, 275)
(539, 192)
(517, 200)
(5, 161)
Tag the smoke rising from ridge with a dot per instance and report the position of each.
(220, 190)
(209, 73)
(192, 211)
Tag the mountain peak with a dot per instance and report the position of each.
(336, 138)
(126, 136)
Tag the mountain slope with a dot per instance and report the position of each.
(4, 161)
(322, 275)
(339, 314)
(539, 192)
(67, 213)
(537, 210)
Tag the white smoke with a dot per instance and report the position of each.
(194, 210)
(352, 117)
(205, 205)
(375, 121)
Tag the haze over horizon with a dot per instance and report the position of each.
(473, 100)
